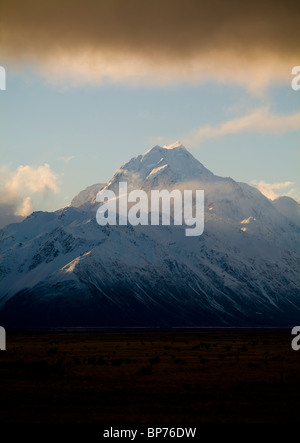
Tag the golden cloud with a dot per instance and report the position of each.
(260, 120)
(275, 190)
(18, 190)
(154, 42)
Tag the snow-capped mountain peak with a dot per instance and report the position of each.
(87, 196)
(62, 268)
(161, 167)
(175, 145)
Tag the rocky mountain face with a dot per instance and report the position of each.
(64, 269)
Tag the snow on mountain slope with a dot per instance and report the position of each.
(289, 208)
(160, 166)
(62, 268)
(87, 196)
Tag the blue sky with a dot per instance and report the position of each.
(241, 124)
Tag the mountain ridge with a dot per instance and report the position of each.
(62, 268)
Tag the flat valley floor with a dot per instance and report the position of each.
(150, 376)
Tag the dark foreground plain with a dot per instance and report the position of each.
(142, 376)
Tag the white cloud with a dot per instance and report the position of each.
(65, 159)
(260, 120)
(25, 208)
(275, 190)
(19, 189)
(28, 179)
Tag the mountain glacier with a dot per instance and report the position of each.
(63, 269)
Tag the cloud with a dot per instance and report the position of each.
(275, 190)
(260, 120)
(65, 159)
(19, 190)
(154, 41)
(32, 180)
(25, 208)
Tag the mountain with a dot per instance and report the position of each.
(87, 196)
(288, 207)
(161, 167)
(63, 269)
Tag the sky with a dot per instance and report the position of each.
(91, 84)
